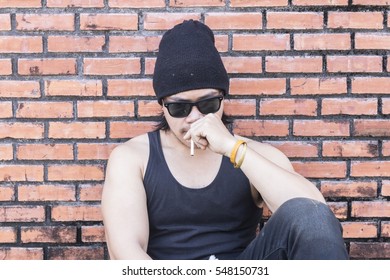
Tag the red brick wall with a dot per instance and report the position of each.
(308, 76)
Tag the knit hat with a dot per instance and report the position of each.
(188, 60)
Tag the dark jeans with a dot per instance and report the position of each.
(301, 229)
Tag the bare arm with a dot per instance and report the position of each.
(124, 206)
(268, 169)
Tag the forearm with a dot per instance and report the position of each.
(275, 184)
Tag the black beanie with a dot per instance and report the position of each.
(188, 60)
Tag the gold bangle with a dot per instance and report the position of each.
(233, 154)
(241, 160)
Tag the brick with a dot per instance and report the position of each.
(240, 107)
(48, 234)
(385, 188)
(69, 213)
(92, 234)
(17, 253)
(20, 173)
(136, 4)
(21, 4)
(386, 148)
(261, 42)
(77, 130)
(354, 63)
(76, 253)
(349, 106)
(21, 130)
(130, 87)
(371, 2)
(5, 67)
(254, 86)
(160, 21)
(372, 41)
(75, 172)
(318, 86)
(242, 64)
(196, 3)
(89, 109)
(21, 44)
(357, 189)
(369, 250)
(45, 22)
(350, 149)
(247, 21)
(359, 229)
(6, 110)
(7, 235)
(258, 3)
(261, 127)
(114, 21)
(6, 152)
(125, 44)
(45, 152)
(90, 151)
(91, 192)
(44, 110)
(46, 192)
(112, 66)
(296, 149)
(355, 20)
(385, 229)
(295, 20)
(331, 41)
(5, 22)
(386, 106)
(293, 64)
(288, 107)
(340, 209)
(130, 129)
(370, 169)
(67, 44)
(149, 108)
(22, 214)
(7, 193)
(376, 128)
(320, 2)
(47, 66)
(370, 209)
(80, 88)
(370, 85)
(75, 3)
(329, 128)
(313, 169)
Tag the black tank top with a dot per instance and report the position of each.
(185, 223)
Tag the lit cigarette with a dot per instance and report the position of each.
(192, 147)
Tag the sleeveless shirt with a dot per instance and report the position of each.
(186, 223)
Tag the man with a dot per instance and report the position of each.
(161, 202)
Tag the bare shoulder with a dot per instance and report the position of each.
(269, 152)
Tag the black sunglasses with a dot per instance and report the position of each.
(183, 109)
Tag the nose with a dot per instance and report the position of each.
(194, 115)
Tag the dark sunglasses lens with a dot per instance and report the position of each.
(209, 106)
(179, 110)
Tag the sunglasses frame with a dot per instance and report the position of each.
(196, 103)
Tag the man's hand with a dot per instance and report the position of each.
(210, 132)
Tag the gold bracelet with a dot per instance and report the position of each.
(241, 160)
(233, 154)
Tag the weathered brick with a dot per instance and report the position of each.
(370, 209)
(349, 188)
(20, 173)
(111, 66)
(254, 86)
(261, 127)
(385, 229)
(261, 42)
(75, 3)
(136, 4)
(76, 253)
(48, 234)
(371, 2)
(386, 106)
(328, 41)
(21, 130)
(359, 229)
(46, 192)
(148, 108)
(320, 2)
(293, 64)
(44, 152)
(296, 149)
(318, 86)
(94, 109)
(386, 148)
(312, 169)
(92, 234)
(196, 3)
(295, 20)
(248, 21)
(5, 67)
(113, 21)
(22, 214)
(356, 63)
(7, 235)
(130, 87)
(349, 106)
(374, 128)
(350, 149)
(355, 20)
(20, 4)
(66, 213)
(7, 193)
(370, 85)
(45, 110)
(288, 107)
(45, 22)
(22, 44)
(327, 128)
(340, 209)
(77, 130)
(86, 151)
(17, 253)
(124, 44)
(80, 88)
(130, 129)
(75, 172)
(68, 44)
(160, 21)
(258, 3)
(6, 110)
(242, 64)
(91, 192)
(370, 169)
(241, 107)
(372, 41)
(47, 66)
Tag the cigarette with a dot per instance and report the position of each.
(192, 147)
